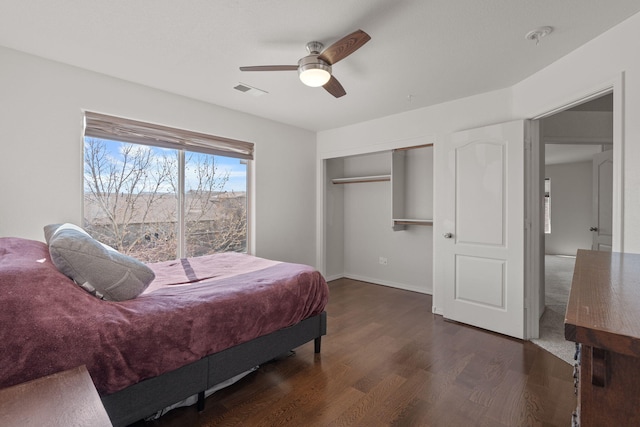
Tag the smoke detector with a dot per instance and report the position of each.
(538, 33)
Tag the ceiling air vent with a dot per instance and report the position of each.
(250, 90)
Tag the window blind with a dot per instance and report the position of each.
(126, 130)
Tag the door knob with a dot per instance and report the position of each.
(593, 228)
(447, 235)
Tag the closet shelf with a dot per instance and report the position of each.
(407, 221)
(413, 147)
(356, 179)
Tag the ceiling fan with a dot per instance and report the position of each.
(315, 69)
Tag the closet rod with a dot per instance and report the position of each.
(356, 179)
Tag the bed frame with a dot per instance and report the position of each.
(154, 394)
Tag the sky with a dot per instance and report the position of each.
(236, 170)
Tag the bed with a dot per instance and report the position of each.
(200, 322)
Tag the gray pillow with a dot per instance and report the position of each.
(96, 267)
(51, 229)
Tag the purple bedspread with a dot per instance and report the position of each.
(194, 307)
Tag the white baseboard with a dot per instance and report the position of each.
(381, 282)
(334, 277)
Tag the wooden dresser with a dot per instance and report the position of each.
(603, 315)
(65, 399)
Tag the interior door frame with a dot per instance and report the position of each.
(534, 194)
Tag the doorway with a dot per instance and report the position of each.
(571, 139)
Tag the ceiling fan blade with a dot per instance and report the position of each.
(334, 87)
(344, 47)
(270, 68)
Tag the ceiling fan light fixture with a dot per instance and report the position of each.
(314, 77)
(313, 72)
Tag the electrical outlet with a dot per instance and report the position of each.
(382, 260)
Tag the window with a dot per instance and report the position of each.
(547, 206)
(159, 193)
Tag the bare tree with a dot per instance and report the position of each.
(215, 219)
(131, 202)
(126, 188)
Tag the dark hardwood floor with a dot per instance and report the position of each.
(387, 361)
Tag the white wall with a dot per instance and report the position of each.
(604, 61)
(415, 127)
(41, 107)
(334, 219)
(571, 208)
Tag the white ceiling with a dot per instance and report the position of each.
(422, 52)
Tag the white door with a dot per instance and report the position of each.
(602, 201)
(482, 228)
